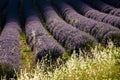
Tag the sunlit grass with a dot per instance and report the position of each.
(105, 65)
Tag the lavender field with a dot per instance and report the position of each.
(60, 39)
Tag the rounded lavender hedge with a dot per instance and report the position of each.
(9, 42)
(97, 29)
(37, 37)
(94, 14)
(103, 7)
(98, 4)
(70, 37)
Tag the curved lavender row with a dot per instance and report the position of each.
(98, 4)
(80, 6)
(67, 35)
(101, 31)
(115, 12)
(115, 3)
(94, 14)
(9, 41)
(37, 37)
(103, 7)
(102, 17)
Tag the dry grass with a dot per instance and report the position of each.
(104, 66)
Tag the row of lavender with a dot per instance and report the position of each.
(103, 7)
(89, 12)
(9, 41)
(101, 31)
(73, 32)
